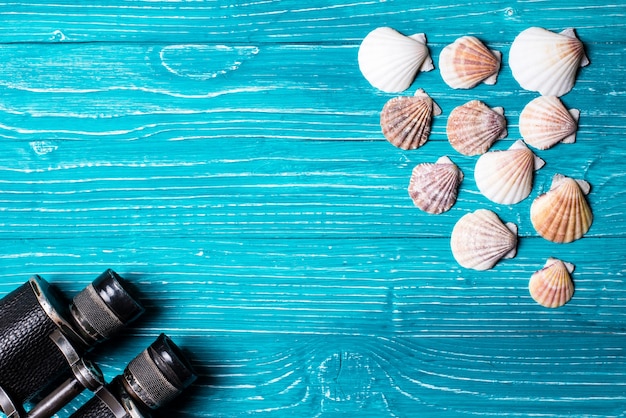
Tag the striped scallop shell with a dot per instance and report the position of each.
(473, 127)
(390, 60)
(552, 286)
(406, 120)
(467, 62)
(562, 214)
(434, 187)
(545, 122)
(545, 61)
(480, 239)
(506, 177)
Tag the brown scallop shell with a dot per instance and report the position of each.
(406, 120)
(552, 286)
(434, 187)
(472, 128)
(562, 214)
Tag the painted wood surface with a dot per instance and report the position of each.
(226, 157)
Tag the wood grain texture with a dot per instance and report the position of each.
(227, 158)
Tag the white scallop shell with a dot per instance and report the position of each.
(473, 127)
(506, 177)
(467, 62)
(480, 239)
(545, 61)
(434, 187)
(552, 286)
(562, 214)
(544, 122)
(390, 61)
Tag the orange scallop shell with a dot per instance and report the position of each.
(552, 286)
(467, 62)
(562, 214)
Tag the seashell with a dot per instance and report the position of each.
(545, 121)
(434, 187)
(406, 120)
(545, 61)
(506, 177)
(562, 214)
(552, 286)
(480, 239)
(390, 60)
(467, 62)
(473, 127)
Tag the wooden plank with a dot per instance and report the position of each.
(99, 87)
(307, 376)
(291, 21)
(290, 189)
(354, 287)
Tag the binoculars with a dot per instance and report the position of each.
(43, 342)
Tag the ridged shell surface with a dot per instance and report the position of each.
(406, 120)
(472, 128)
(562, 214)
(480, 239)
(506, 177)
(434, 187)
(545, 61)
(468, 62)
(544, 122)
(390, 60)
(552, 286)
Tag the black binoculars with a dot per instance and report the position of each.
(43, 341)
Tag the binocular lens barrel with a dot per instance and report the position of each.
(151, 380)
(104, 307)
(159, 373)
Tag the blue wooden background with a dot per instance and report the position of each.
(226, 157)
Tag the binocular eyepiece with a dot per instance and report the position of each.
(43, 338)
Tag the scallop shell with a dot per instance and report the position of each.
(480, 239)
(434, 187)
(545, 122)
(406, 120)
(468, 62)
(552, 286)
(506, 177)
(473, 127)
(562, 214)
(390, 60)
(545, 61)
